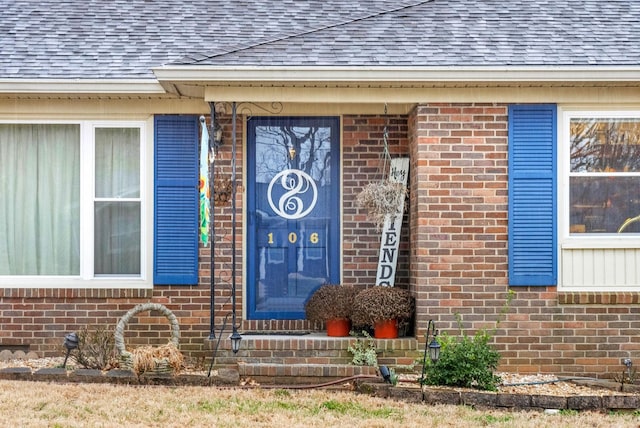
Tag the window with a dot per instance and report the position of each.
(72, 205)
(600, 208)
(604, 174)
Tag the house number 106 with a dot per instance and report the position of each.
(293, 237)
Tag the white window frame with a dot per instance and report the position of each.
(591, 262)
(86, 278)
(604, 240)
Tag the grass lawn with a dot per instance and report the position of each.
(39, 404)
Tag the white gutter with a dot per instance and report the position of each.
(424, 74)
(81, 86)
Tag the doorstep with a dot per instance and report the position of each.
(310, 348)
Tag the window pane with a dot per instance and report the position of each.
(603, 204)
(605, 145)
(117, 238)
(117, 162)
(39, 201)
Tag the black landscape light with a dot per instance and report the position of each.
(434, 349)
(70, 342)
(431, 348)
(235, 340)
(385, 373)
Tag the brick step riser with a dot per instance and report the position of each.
(321, 351)
(268, 373)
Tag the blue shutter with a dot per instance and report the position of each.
(175, 258)
(532, 195)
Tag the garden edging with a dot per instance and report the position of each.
(627, 400)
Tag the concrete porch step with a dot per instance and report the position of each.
(301, 374)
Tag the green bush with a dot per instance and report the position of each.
(468, 362)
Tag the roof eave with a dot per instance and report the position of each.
(81, 86)
(397, 75)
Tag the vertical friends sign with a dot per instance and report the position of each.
(390, 242)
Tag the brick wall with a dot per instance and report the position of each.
(458, 259)
(39, 319)
(363, 162)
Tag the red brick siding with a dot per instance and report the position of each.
(363, 162)
(458, 260)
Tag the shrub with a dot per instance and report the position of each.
(468, 362)
(96, 349)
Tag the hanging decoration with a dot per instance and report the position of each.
(385, 198)
(221, 190)
(204, 184)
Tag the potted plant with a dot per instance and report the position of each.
(382, 308)
(332, 304)
(380, 199)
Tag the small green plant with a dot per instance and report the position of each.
(468, 361)
(489, 419)
(393, 377)
(364, 351)
(282, 393)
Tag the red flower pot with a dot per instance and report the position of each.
(339, 327)
(387, 329)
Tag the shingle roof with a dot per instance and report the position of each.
(120, 39)
(465, 32)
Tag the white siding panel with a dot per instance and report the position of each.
(601, 269)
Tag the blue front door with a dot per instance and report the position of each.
(293, 195)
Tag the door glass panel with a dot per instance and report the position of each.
(293, 208)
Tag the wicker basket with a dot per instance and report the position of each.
(161, 366)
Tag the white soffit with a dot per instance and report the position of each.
(397, 75)
(81, 86)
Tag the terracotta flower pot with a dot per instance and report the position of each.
(387, 329)
(339, 327)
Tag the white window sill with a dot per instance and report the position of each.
(73, 282)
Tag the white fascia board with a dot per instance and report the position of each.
(502, 74)
(81, 86)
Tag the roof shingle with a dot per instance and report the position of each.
(124, 39)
